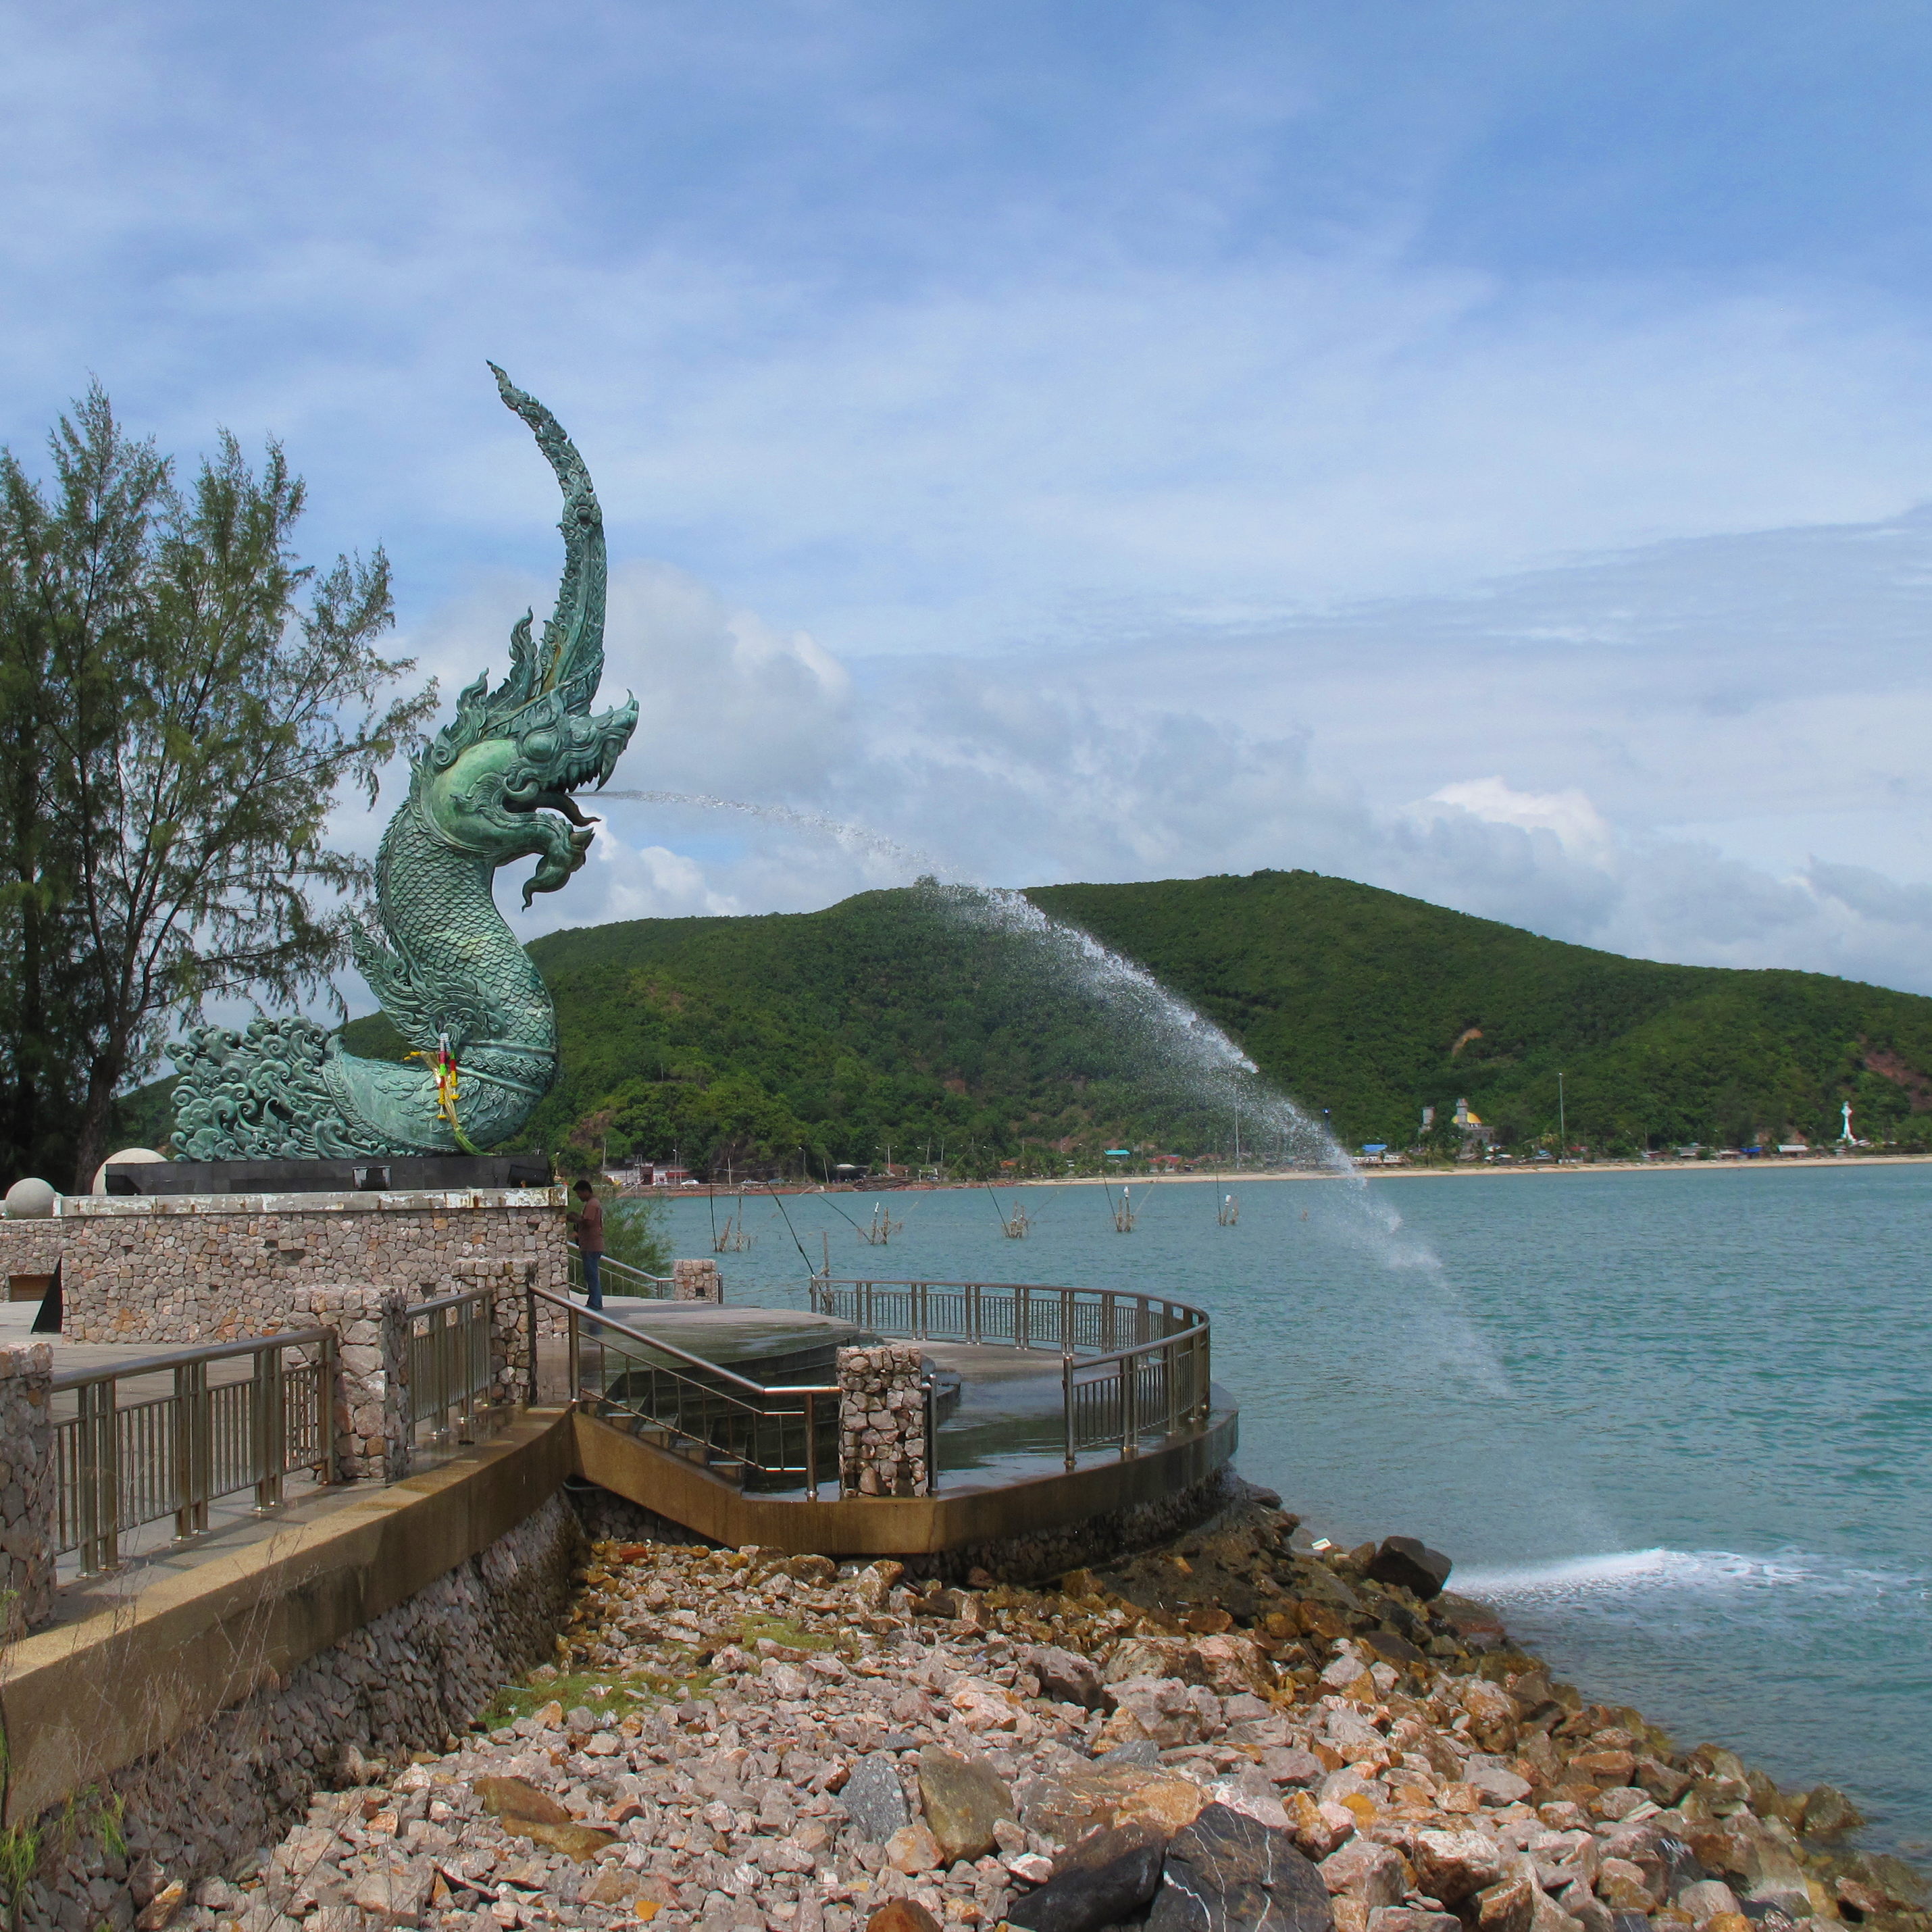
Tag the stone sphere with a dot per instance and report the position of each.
(30, 1201)
(126, 1157)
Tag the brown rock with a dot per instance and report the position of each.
(580, 1842)
(1065, 1676)
(1227, 1664)
(913, 1850)
(1664, 1784)
(1453, 1866)
(902, 1915)
(1371, 1873)
(1067, 1808)
(616, 1884)
(1620, 1885)
(1827, 1813)
(1492, 1715)
(1604, 1767)
(963, 1799)
(1323, 1621)
(159, 1910)
(518, 1798)
(1509, 1906)
(1146, 1657)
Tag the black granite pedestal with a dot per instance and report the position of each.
(441, 1173)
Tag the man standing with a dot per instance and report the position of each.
(590, 1242)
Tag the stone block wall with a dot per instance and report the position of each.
(696, 1281)
(370, 1401)
(27, 1525)
(29, 1247)
(186, 1269)
(403, 1682)
(882, 1446)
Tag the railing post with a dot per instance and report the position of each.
(931, 1393)
(194, 1445)
(1130, 1405)
(1066, 1399)
(269, 1419)
(811, 1446)
(101, 1488)
(530, 1335)
(576, 1382)
(328, 1367)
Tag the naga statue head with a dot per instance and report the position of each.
(497, 780)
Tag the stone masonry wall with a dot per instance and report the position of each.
(696, 1280)
(405, 1682)
(187, 1269)
(882, 1421)
(27, 1528)
(30, 1247)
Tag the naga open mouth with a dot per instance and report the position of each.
(560, 756)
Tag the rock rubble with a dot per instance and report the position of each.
(1226, 1734)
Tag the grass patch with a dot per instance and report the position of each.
(610, 1696)
(759, 1625)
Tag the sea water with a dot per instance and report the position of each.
(1677, 1425)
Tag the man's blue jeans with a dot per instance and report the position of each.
(593, 1288)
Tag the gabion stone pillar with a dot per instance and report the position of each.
(371, 1404)
(882, 1446)
(27, 1532)
(696, 1281)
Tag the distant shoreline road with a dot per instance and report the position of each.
(1472, 1171)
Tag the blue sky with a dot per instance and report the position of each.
(1481, 449)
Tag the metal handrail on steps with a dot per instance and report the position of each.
(635, 1283)
(1131, 1365)
(758, 1426)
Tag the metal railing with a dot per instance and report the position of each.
(779, 1436)
(1131, 1365)
(451, 1377)
(617, 1277)
(118, 1466)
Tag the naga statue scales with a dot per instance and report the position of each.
(494, 786)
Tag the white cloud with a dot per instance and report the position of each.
(1568, 817)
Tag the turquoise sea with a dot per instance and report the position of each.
(1678, 1425)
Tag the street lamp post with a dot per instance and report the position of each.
(1562, 1131)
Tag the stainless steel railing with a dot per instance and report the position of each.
(1132, 1365)
(618, 1277)
(118, 1466)
(780, 1436)
(451, 1377)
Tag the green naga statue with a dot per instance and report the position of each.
(494, 786)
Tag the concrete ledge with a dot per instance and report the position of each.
(390, 1201)
(895, 1526)
(81, 1703)
(105, 1693)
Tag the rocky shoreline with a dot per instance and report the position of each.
(1225, 1733)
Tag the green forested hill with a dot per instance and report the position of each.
(888, 1020)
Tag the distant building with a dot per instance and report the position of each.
(1472, 1127)
(662, 1176)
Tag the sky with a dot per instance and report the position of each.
(1484, 450)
